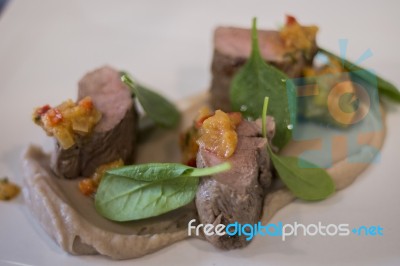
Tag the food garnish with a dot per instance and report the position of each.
(140, 191)
(158, 108)
(88, 186)
(189, 146)
(257, 79)
(8, 190)
(298, 37)
(68, 120)
(188, 139)
(258, 86)
(217, 133)
(304, 179)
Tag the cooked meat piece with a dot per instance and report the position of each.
(236, 195)
(112, 138)
(232, 47)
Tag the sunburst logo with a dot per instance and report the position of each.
(337, 108)
(349, 102)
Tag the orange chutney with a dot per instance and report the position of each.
(88, 186)
(218, 133)
(296, 36)
(68, 120)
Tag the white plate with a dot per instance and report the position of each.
(46, 46)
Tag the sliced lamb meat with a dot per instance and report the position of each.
(236, 195)
(232, 47)
(112, 138)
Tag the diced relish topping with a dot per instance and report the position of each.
(218, 133)
(8, 190)
(68, 120)
(188, 139)
(88, 186)
(189, 146)
(203, 133)
(296, 36)
(204, 113)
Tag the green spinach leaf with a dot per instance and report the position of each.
(257, 79)
(141, 191)
(385, 88)
(159, 109)
(306, 180)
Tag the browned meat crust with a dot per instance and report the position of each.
(113, 137)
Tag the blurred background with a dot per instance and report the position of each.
(2, 4)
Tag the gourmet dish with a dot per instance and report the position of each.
(124, 183)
